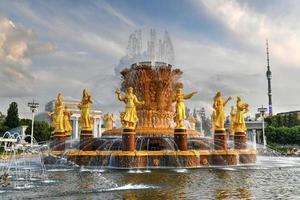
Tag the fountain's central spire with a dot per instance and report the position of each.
(144, 47)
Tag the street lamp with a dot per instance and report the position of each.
(262, 111)
(202, 115)
(33, 107)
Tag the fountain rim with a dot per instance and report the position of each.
(149, 131)
(153, 153)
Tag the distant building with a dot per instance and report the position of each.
(72, 107)
(297, 112)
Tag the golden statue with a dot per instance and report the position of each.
(67, 124)
(129, 117)
(239, 122)
(109, 120)
(58, 115)
(61, 117)
(232, 118)
(219, 113)
(180, 107)
(84, 106)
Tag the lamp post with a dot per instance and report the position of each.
(33, 107)
(201, 113)
(262, 111)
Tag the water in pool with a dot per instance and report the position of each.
(269, 178)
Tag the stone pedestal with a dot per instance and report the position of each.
(220, 141)
(180, 138)
(240, 140)
(86, 140)
(128, 140)
(57, 141)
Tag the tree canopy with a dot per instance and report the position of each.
(12, 119)
(290, 120)
(41, 131)
(283, 129)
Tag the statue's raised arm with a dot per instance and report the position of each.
(90, 100)
(228, 99)
(137, 102)
(120, 97)
(188, 96)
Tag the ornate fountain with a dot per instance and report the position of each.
(153, 133)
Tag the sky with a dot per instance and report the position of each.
(48, 47)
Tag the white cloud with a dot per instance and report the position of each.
(118, 14)
(101, 44)
(251, 28)
(16, 73)
(15, 67)
(248, 28)
(84, 48)
(208, 68)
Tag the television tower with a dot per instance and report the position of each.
(269, 76)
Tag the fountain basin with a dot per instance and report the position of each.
(146, 159)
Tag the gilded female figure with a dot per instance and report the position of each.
(180, 116)
(129, 117)
(84, 106)
(239, 122)
(58, 115)
(219, 113)
(109, 120)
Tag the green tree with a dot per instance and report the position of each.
(283, 129)
(268, 121)
(41, 131)
(12, 118)
(2, 118)
(279, 122)
(292, 120)
(285, 119)
(3, 129)
(283, 135)
(25, 122)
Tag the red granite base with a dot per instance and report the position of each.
(180, 138)
(86, 140)
(220, 141)
(57, 141)
(128, 140)
(145, 159)
(240, 140)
